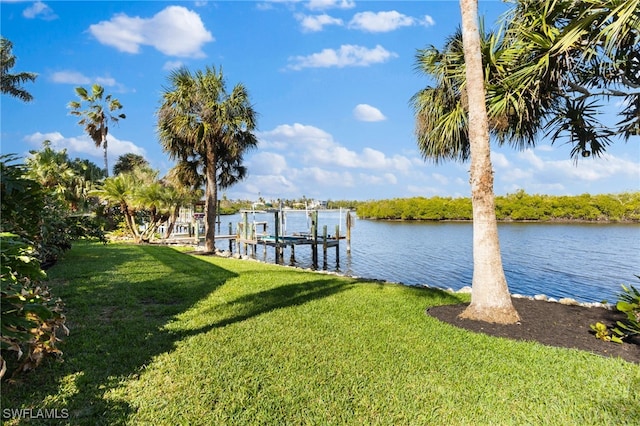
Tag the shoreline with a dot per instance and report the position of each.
(569, 301)
(529, 221)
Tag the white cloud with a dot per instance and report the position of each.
(546, 148)
(285, 135)
(296, 159)
(531, 158)
(381, 21)
(41, 10)
(537, 174)
(83, 145)
(499, 160)
(330, 4)
(428, 21)
(594, 169)
(266, 163)
(327, 178)
(316, 23)
(70, 77)
(347, 56)
(384, 179)
(424, 190)
(441, 179)
(174, 31)
(77, 78)
(172, 65)
(516, 174)
(364, 112)
(314, 146)
(106, 81)
(270, 186)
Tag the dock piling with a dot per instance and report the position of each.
(324, 247)
(337, 246)
(314, 238)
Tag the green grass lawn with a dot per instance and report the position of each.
(161, 337)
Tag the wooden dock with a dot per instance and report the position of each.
(248, 238)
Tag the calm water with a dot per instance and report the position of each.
(587, 262)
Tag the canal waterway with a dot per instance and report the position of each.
(584, 261)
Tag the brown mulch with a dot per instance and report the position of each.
(551, 324)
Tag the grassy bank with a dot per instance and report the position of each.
(162, 337)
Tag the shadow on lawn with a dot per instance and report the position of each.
(118, 323)
(115, 316)
(283, 296)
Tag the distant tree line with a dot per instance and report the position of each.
(520, 206)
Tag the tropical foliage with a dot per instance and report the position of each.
(552, 69)
(31, 316)
(145, 201)
(127, 162)
(70, 180)
(517, 206)
(28, 225)
(574, 61)
(101, 111)
(207, 130)
(11, 84)
(629, 304)
(46, 206)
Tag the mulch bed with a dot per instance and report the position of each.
(551, 324)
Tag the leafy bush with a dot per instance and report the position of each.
(629, 303)
(30, 317)
(517, 206)
(603, 333)
(40, 215)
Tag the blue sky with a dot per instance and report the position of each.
(330, 79)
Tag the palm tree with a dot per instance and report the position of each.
(207, 130)
(582, 54)
(490, 298)
(550, 68)
(452, 123)
(96, 118)
(118, 191)
(50, 168)
(137, 192)
(544, 71)
(71, 181)
(10, 83)
(127, 162)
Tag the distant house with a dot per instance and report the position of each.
(315, 204)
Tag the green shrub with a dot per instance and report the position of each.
(31, 317)
(603, 333)
(629, 303)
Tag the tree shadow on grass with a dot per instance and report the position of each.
(283, 296)
(118, 316)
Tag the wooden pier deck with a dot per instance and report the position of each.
(248, 237)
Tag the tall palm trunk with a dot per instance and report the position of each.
(130, 221)
(104, 132)
(490, 298)
(211, 200)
